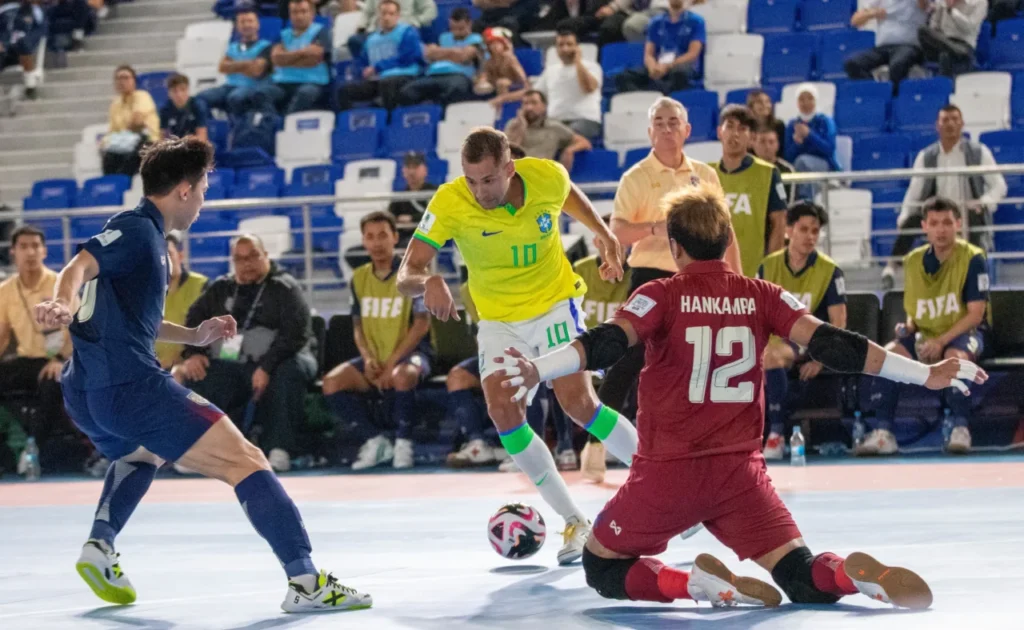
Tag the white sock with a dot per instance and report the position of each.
(616, 432)
(31, 79)
(307, 582)
(535, 460)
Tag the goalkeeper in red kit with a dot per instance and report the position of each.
(700, 422)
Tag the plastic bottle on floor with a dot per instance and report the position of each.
(32, 468)
(797, 456)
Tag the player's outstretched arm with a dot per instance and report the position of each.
(578, 206)
(596, 349)
(415, 279)
(846, 351)
(57, 312)
(223, 327)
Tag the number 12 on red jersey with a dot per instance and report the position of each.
(701, 338)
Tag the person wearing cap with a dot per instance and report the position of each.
(453, 63)
(183, 290)
(409, 213)
(501, 75)
(810, 139)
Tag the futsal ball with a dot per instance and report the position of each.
(516, 531)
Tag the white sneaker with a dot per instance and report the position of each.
(892, 585)
(575, 537)
(279, 460)
(403, 455)
(474, 453)
(711, 581)
(774, 447)
(99, 567)
(594, 462)
(959, 441)
(566, 460)
(329, 596)
(508, 465)
(878, 442)
(375, 451)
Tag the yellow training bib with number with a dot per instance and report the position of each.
(517, 268)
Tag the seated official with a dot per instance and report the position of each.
(301, 61)
(246, 63)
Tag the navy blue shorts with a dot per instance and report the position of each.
(973, 343)
(471, 365)
(156, 413)
(417, 359)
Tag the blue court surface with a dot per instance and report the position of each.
(423, 553)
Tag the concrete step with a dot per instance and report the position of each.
(25, 175)
(28, 141)
(36, 157)
(64, 105)
(162, 8)
(52, 122)
(153, 24)
(129, 41)
(70, 90)
(114, 58)
(100, 73)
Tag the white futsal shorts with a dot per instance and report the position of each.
(533, 337)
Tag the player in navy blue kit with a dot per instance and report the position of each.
(135, 413)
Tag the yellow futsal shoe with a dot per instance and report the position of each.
(99, 567)
(329, 596)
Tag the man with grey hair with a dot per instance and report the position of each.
(263, 372)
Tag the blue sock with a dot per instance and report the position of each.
(886, 396)
(350, 408)
(959, 406)
(275, 518)
(403, 408)
(464, 411)
(124, 487)
(776, 387)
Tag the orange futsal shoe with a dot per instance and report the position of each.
(893, 585)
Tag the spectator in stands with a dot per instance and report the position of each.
(979, 195)
(672, 54)
(416, 13)
(182, 115)
(766, 147)
(518, 16)
(265, 370)
(760, 105)
(811, 139)
(753, 188)
(134, 123)
(573, 87)
(946, 301)
(22, 28)
(391, 58)
(576, 16)
(542, 137)
(70, 21)
(394, 351)
(409, 213)
(453, 63)
(36, 367)
(502, 74)
(183, 290)
(326, 8)
(246, 64)
(999, 10)
(301, 62)
(896, 42)
(951, 35)
(818, 283)
(628, 17)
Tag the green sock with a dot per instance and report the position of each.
(617, 433)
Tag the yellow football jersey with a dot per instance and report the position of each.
(517, 268)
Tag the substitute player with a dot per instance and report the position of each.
(817, 281)
(503, 215)
(700, 423)
(135, 413)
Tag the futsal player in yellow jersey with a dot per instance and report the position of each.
(503, 215)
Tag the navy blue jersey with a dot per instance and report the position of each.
(122, 308)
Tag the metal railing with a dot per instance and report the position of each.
(309, 255)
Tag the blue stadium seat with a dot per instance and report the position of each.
(739, 97)
(771, 16)
(357, 134)
(983, 49)
(51, 194)
(52, 229)
(103, 191)
(1017, 101)
(84, 228)
(835, 48)
(916, 112)
(881, 152)
(212, 221)
(532, 61)
(932, 85)
(862, 107)
(1007, 48)
(919, 140)
(200, 246)
(313, 180)
(221, 180)
(598, 165)
(702, 108)
(437, 173)
(210, 269)
(412, 129)
(508, 112)
(1007, 146)
(788, 58)
(817, 15)
(308, 181)
(245, 157)
(156, 84)
(270, 28)
(59, 202)
(219, 131)
(633, 156)
(621, 56)
(265, 181)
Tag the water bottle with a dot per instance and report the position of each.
(947, 425)
(797, 457)
(32, 469)
(858, 429)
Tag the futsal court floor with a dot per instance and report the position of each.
(418, 543)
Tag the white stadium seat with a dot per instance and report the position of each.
(723, 16)
(732, 62)
(345, 26)
(88, 162)
(703, 151)
(844, 152)
(472, 114)
(210, 29)
(95, 132)
(623, 132)
(633, 102)
(364, 177)
(849, 225)
(984, 99)
(305, 140)
(199, 60)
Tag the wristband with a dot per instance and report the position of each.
(903, 370)
(561, 362)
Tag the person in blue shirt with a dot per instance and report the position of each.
(896, 42)
(22, 28)
(672, 53)
(246, 64)
(301, 61)
(810, 139)
(454, 62)
(391, 58)
(182, 115)
(134, 412)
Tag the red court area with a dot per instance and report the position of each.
(388, 487)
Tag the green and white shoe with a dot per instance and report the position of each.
(329, 596)
(99, 567)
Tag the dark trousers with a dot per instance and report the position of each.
(289, 98)
(637, 79)
(444, 89)
(905, 240)
(609, 29)
(228, 384)
(900, 60)
(234, 100)
(954, 56)
(21, 376)
(621, 377)
(384, 90)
